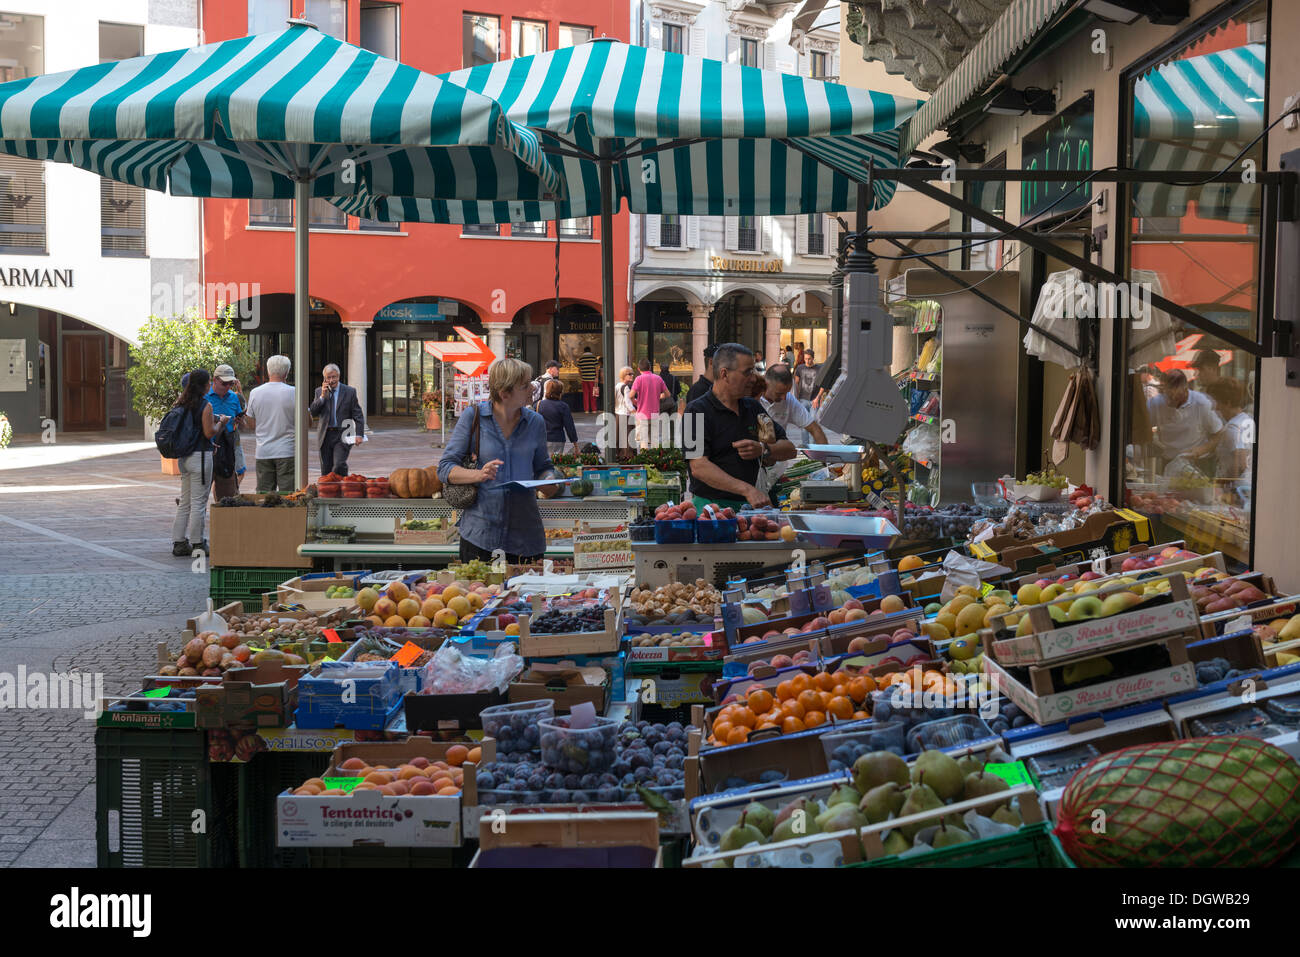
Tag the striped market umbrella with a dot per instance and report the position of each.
(293, 114)
(672, 134)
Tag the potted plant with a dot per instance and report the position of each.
(170, 346)
(433, 406)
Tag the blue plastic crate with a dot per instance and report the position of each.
(321, 704)
(320, 714)
(720, 531)
(676, 532)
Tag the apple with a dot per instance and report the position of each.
(1169, 551)
(1116, 603)
(853, 604)
(857, 644)
(1029, 594)
(879, 612)
(1052, 592)
(782, 661)
(902, 634)
(1087, 607)
(916, 659)
(435, 588)
(505, 618)
(767, 636)
(1058, 612)
(856, 614)
(893, 661)
(753, 640)
(1090, 576)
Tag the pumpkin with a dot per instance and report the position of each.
(435, 483)
(409, 483)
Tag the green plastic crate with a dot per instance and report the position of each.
(1034, 845)
(247, 584)
(149, 784)
(261, 780)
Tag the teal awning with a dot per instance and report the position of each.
(1018, 26)
(689, 136)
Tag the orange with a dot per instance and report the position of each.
(811, 700)
(766, 723)
(725, 714)
(785, 690)
(814, 719)
(744, 717)
(839, 690)
(824, 681)
(457, 754)
(841, 677)
(841, 707)
(760, 701)
(738, 735)
(793, 708)
(721, 729)
(825, 697)
(791, 724)
(860, 687)
(800, 683)
(860, 716)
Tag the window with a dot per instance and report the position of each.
(670, 232)
(1192, 108)
(120, 41)
(527, 37)
(528, 229)
(817, 65)
(575, 228)
(748, 52)
(121, 206)
(267, 16)
(270, 212)
(325, 215)
(379, 29)
(330, 16)
(22, 205)
(571, 36)
(747, 234)
(481, 39)
(673, 38)
(816, 234)
(480, 229)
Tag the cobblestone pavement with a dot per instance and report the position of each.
(88, 582)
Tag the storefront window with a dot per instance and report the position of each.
(1191, 397)
(481, 39)
(571, 36)
(528, 36)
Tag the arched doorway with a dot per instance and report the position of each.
(404, 366)
(271, 333)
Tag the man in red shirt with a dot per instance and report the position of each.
(648, 389)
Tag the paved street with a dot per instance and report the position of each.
(88, 583)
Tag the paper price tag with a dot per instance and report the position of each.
(1014, 773)
(331, 635)
(343, 784)
(407, 654)
(985, 589)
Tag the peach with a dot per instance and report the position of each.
(421, 788)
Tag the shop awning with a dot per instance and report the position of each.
(1018, 26)
(688, 136)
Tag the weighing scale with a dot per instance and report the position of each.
(834, 491)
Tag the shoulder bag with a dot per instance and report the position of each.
(462, 496)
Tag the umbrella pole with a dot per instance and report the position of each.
(607, 276)
(301, 211)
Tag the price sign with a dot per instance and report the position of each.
(407, 654)
(343, 784)
(596, 550)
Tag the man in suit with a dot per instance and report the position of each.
(341, 418)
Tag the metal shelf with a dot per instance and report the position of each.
(375, 515)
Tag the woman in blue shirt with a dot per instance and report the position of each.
(511, 448)
(558, 417)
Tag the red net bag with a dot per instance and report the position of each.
(1225, 801)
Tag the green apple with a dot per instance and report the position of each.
(1024, 628)
(1052, 592)
(1059, 613)
(1086, 607)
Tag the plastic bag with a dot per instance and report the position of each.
(961, 570)
(451, 672)
(923, 443)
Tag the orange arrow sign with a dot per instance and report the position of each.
(472, 356)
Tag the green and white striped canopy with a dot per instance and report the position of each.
(688, 136)
(246, 117)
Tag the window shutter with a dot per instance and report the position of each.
(656, 35)
(732, 238)
(652, 231)
(835, 66)
(767, 59)
(699, 42)
(692, 232)
(801, 235)
(733, 49)
(832, 235)
(765, 227)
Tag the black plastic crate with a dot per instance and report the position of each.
(160, 803)
(264, 778)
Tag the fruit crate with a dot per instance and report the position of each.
(1033, 845)
(148, 786)
(247, 584)
(331, 857)
(261, 780)
(657, 494)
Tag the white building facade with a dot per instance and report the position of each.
(85, 261)
(759, 280)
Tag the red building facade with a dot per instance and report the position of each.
(381, 291)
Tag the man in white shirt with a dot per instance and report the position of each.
(1183, 421)
(787, 411)
(270, 413)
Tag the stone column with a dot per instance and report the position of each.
(699, 335)
(620, 349)
(356, 363)
(497, 338)
(772, 332)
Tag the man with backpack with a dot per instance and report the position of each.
(185, 434)
(539, 384)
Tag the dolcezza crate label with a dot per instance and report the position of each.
(1099, 633)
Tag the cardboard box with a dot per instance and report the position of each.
(616, 481)
(1115, 531)
(737, 632)
(370, 817)
(1243, 650)
(264, 695)
(1154, 617)
(796, 756)
(714, 649)
(673, 688)
(1216, 624)
(256, 537)
(576, 643)
(448, 712)
(1041, 702)
(563, 685)
(309, 591)
(1209, 703)
(623, 839)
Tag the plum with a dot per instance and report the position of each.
(573, 781)
(559, 796)
(536, 781)
(642, 774)
(485, 781)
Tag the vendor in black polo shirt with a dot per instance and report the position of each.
(737, 435)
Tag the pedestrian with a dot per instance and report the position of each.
(705, 382)
(648, 391)
(1206, 362)
(670, 380)
(788, 356)
(558, 417)
(589, 372)
(342, 423)
(1237, 438)
(225, 399)
(189, 529)
(539, 384)
(805, 376)
(799, 421)
(798, 354)
(508, 441)
(270, 416)
(624, 406)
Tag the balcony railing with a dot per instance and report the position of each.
(747, 239)
(816, 244)
(670, 235)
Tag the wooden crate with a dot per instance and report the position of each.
(576, 643)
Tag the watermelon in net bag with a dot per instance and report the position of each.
(1223, 801)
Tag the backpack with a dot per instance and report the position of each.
(178, 434)
(223, 455)
(539, 391)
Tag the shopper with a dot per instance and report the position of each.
(785, 410)
(552, 373)
(648, 390)
(729, 425)
(189, 529)
(270, 416)
(805, 375)
(1206, 363)
(1237, 439)
(589, 373)
(788, 356)
(342, 423)
(225, 399)
(558, 417)
(511, 447)
(704, 383)
(624, 409)
(1183, 421)
(670, 380)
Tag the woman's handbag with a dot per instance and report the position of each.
(462, 496)
(667, 403)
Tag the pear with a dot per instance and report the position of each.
(739, 835)
(760, 817)
(948, 836)
(725, 862)
(896, 843)
(798, 804)
(971, 764)
(877, 768)
(882, 801)
(981, 784)
(920, 798)
(841, 817)
(796, 826)
(844, 794)
(1006, 814)
(941, 772)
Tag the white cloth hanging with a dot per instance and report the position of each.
(1054, 312)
